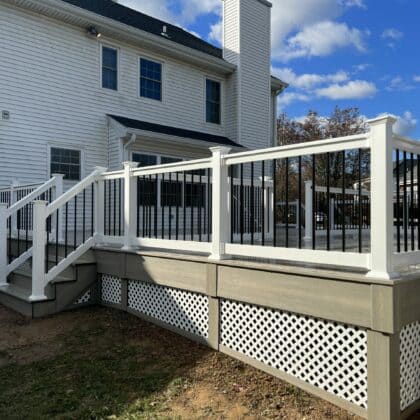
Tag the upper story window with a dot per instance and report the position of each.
(109, 68)
(213, 101)
(150, 79)
(66, 162)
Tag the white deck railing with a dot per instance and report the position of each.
(190, 207)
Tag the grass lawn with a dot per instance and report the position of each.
(104, 364)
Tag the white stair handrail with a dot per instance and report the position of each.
(43, 210)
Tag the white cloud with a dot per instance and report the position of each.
(322, 39)
(308, 80)
(355, 89)
(156, 8)
(392, 33)
(188, 10)
(353, 3)
(288, 98)
(398, 84)
(405, 124)
(216, 32)
(416, 78)
(289, 20)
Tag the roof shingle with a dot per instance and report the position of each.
(123, 14)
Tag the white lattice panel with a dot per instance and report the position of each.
(111, 289)
(181, 309)
(328, 355)
(410, 364)
(85, 298)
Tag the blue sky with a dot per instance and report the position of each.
(362, 53)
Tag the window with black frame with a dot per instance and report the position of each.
(150, 79)
(213, 101)
(109, 68)
(66, 162)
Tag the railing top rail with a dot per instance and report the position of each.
(18, 187)
(190, 165)
(405, 144)
(72, 192)
(359, 141)
(32, 196)
(113, 175)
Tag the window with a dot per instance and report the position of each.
(167, 159)
(66, 162)
(150, 79)
(213, 98)
(144, 160)
(109, 68)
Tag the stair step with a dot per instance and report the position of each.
(19, 292)
(66, 275)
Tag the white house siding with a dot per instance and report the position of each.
(247, 44)
(50, 84)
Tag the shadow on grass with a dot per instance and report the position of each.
(114, 365)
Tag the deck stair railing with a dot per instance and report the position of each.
(16, 222)
(224, 205)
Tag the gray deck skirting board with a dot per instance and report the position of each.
(363, 316)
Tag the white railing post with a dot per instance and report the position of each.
(220, 213)
(3, 244)
(99, 211)
(308, 210)
(130, 202)
(38, 249)
(382, 223)
(59, 190)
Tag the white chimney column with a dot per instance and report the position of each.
(247, 44)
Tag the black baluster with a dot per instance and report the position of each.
(57, 227)
(343, 201)
(328, 203)
(192, 206)
(66, 231)
(200, 203)
(162, 207)
(360, 201)
(405, 215)
(177, 208)
(299, 210)
(397, 166)
(105, 207)
(263, 203)
(313, 202)
(92, 211)
(209, 204)
(84, 216)
(184, 205)
(75, 222)
(241, 193)
(149, 209)
(287, 201)
(119, 206)
(169, 198)
(252, 204)
(412, 202)
(155, 204)
(232, 209)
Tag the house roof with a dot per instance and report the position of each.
(112, 10)
(173, 131)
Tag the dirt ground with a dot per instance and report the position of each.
(99, 363)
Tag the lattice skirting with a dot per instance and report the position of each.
(85, 298)
(410, 365)
(325, 354)
(185, 310)
(111, 290)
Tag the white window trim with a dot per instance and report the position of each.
(66, 147)
(118, 50)
(163, 83)
(222, 100)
